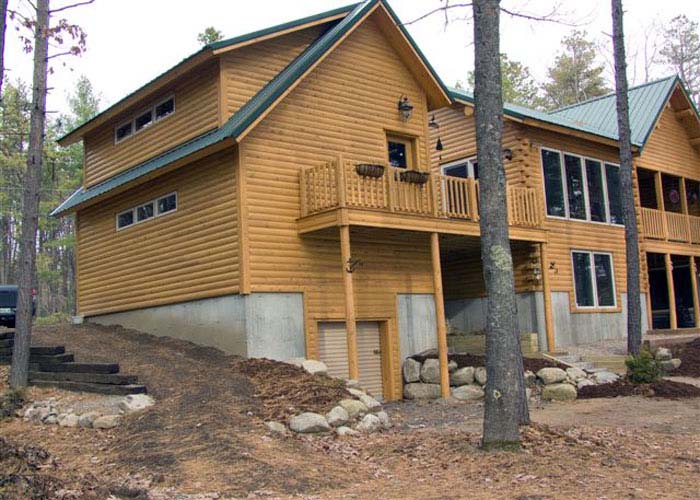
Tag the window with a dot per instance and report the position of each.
(581, 188)
(125, 219)
(145, 119)
(400, 150)
(123, 132)
(167, 204)
(165, 108)
(594, 282)
(462, 168)
(144, 212)
(154, 208)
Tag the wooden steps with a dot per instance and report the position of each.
(52, 366)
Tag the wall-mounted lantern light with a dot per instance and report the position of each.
(508, 154)
(405, 108)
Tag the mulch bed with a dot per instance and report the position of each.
(463, 359)
(286, 390)
(689, 355)
(20, 472)
(667, 389)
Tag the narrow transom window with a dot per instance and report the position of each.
(144, 120)
(167, 203)
(144, 212)
(123, 132)
(125, 219)
(594, 280)
(165, 108)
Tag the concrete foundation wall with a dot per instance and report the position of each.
(584, 328)
(417, 324)
(258, 325)
(469, 315)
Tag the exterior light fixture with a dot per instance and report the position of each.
(438, 146)
(435, 126)
(508, 154)
(405, 108)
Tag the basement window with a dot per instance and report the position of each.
(594, 281)
(125, 219)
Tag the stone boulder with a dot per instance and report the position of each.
(369, 423)
(314, 367)
(559, 392)
(421, 391)
(551, 375)
(430, 371)
(452, 366)
(480, 375)
(584, 382)
(356, 392)
(353, 407)
(468, 393)
(86, 419)
(462, 376)
(276, 427)
(575, 373)
(668, 365)
(69, 420)
(346, 431)
(411, 370)
(663, 354)
(384, 419)
(337, 417)
(530, 378)
(136, 402)
(106, 422)
(308, 422)
(372, 404)
(605, 377)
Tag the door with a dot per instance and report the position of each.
(333, 350)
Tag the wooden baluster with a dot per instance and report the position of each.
(302, 192)
(671, 292)
(473, 200)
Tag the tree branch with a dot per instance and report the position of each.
(444, 9)
(71, 6)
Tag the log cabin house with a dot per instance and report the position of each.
(310, 190)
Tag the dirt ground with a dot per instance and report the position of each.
(205, 435)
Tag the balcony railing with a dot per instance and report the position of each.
(337, 184)
(670, 226)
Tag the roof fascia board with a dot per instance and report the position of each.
(660, 111)
(240, 136)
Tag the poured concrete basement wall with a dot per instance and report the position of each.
(417, 325)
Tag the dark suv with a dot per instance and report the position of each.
(8, 305)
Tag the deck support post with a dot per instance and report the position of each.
(694, 285)
(547, 293)
(440, 315)
(350, 320)
(671, 292)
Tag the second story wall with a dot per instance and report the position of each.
(196, 112)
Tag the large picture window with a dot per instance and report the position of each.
(594, 281)
(581, 188)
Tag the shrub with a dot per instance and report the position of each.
(10, 401)
(643, 369)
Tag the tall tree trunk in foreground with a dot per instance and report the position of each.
(3, 28)
(505, 387)
(629, 215)
(30, 201)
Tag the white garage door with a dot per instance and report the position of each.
(333, 350)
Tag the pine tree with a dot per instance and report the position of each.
(681, 52)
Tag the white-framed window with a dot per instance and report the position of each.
(594, 279)
(145, 119)
(161, 206)
(464, 168)
(581, 188)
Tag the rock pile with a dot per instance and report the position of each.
(350, 417)
(422, 381)
(48, 412)
(664, 358)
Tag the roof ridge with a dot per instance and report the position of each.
(609, 95)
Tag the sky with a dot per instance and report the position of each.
(131, 41)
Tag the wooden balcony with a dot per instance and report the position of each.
(435, 203)
(670, 226)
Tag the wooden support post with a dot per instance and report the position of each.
(342, 184)
(350, 322)
(547, 292)
(440, 315)
(473, 199)
(694, 285)
(658, 186)
(684, 208)
(671, 291)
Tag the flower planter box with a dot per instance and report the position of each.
(414, 177)
(369, 170)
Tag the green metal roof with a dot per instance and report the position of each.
(250, 111)
(646, 102)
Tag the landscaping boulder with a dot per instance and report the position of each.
(351, 383)
(468, 393)
(277, 427)
(372, 404)
(605, 377)
(353, 407)
(411, 370)
(337, 417)
(663, 354)
(346, 431)
(315, 367)
(421, 391)
(68, 420)
(551, 375)
(575, 373)
(308, 422)
(480, 375)
(430, 371)
(462, 376)
(86, 419)
(668, 365)
(559, 392)
(452, 366)
(384, 419)
(369, 423)
(106, 422)
(530, 378)
(356, 392)
(136, 402)
(584, 382)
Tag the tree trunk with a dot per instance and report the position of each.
(3, 29)
(634, 306)
(30, 202)
(505, 389)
